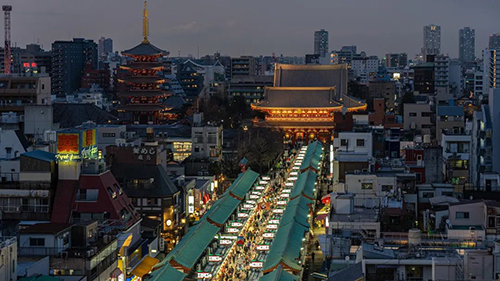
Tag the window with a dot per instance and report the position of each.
(491, 222)
(344, 142)
(360, 142)
(462, 215)
(413, 114)
(427, 194)
(386, 187)
(367, 185)
(37, 242)
(111, 192)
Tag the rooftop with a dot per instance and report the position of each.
(46, 228)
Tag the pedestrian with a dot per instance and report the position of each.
(312, 256)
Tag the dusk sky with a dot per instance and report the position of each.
(237, 27)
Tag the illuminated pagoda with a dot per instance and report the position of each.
(305, 100)
(142, 96)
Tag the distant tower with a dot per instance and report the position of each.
(321, 43)
(7, 51)
(145, 23)
(432, 40)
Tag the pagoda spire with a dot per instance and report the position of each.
(145, 23)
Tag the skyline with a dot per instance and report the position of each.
(281, 29)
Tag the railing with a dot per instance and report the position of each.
(39, 251)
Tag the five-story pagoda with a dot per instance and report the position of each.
(142, 95)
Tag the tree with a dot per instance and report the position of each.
(408, 97)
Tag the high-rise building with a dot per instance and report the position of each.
(491, 67)
(466, 44)
(494, 42)
(345, 55)
(321, 43)
(432, 40)
(33, 59)
(68, 63)
(105, 47)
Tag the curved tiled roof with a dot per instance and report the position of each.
(293, 97)
(144, 49)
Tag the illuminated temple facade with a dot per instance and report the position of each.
(142, 95)
(305, 100)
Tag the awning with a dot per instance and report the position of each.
(115, 273)
(144, 267)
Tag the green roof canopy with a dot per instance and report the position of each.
(279, 274)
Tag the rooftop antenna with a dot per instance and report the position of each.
(7, 51)
(145, 23)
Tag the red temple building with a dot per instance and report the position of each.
(142, 96)
(305, 100)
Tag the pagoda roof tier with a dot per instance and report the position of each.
(145, 93)
(143, 65)
(145, 107)
(144, 49)
(298, 97)
(143, 79)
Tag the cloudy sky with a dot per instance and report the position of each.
(255, 27)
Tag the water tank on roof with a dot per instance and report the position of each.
(414, 237)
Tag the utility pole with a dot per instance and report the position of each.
(7, 51)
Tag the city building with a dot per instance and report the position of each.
(68, 63)
(491, 65)
(352, 152)
(466, 44)
(384, 89)
(207, 140)
(96, 77)
(345, 55)
(441, 71)
(189, 77)
(243, 66)
(321, 43)
(251, 88)
(418, 116)
(398, 60)
(432, 40)
(450, 119)
(364, 68)
(16, 92)
(494, 41)
(31, 60)
(105, 47)
(8, 259)
(423, 79)
(141, 94)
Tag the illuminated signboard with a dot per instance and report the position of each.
(263, 248)
(251, 202)
(292, 178)
(281, 203)
(225, 242)
(268, 235)
(288, 190)
(230, 237)
(203, 275)
(272, 226)
(278, 211)
(262, 182)
(256, 264)
(89, 138)
(259, 187)
(293, 173)
(190, 204)
(247, 206)
(274, 221)
(236, 224)
(242, 215)
(214, 258)
(256, 193)
(232, 230)
(289, 184)
(285, 195)
(68, 143)
(266, 178)
(254, 197)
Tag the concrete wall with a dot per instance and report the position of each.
(476, 214)
(8, 260)
(419, 109)
(478, 265)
